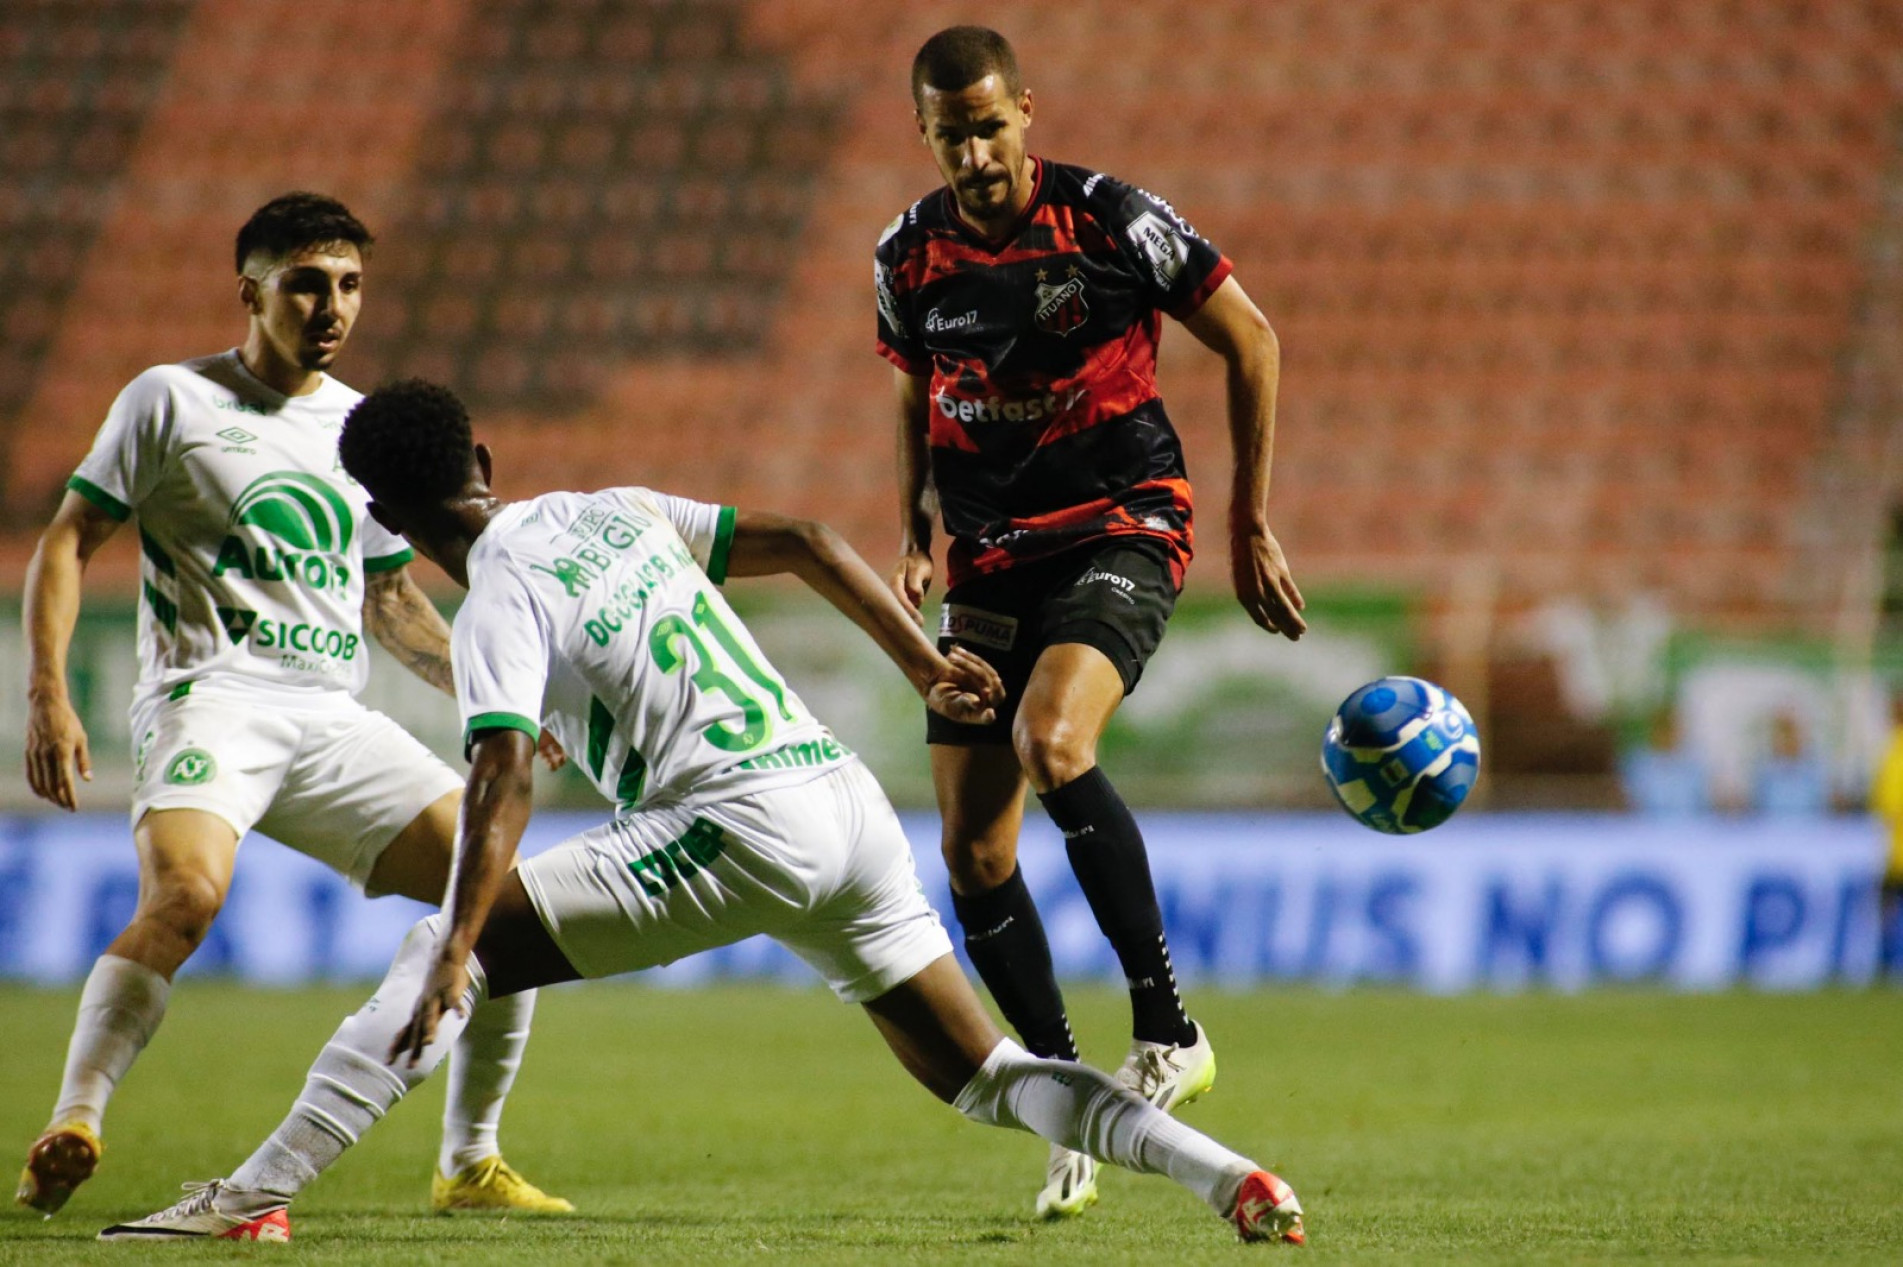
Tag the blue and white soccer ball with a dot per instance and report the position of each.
(1401, 755)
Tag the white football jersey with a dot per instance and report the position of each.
(596, 615)
(256, 543)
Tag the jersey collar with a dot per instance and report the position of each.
(996, 245)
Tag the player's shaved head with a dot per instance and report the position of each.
(960, 56)
(296, 222)
(409, 444)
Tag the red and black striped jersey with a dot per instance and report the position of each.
(1045, 429)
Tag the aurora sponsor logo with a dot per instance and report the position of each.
(262, 563)
(309, 521)
(298, 509)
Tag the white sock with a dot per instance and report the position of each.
(482, 1068)
(1084, 1110)
(350, 1086)
(119, 1011)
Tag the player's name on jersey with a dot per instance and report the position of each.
(604, 538)
(631, 595)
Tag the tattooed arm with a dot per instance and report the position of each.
(401, 617)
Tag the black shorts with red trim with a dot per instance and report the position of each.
(1115, 594)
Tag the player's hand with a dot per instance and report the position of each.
(444, 992)
(551, 751)
(1264, 585)
(966, 690)
(910, 580)
(56, 752)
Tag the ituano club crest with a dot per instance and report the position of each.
(298, 509)
(1060, 306)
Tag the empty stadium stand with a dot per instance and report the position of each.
(76, 80)
(1593, 292)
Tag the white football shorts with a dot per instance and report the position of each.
(822, 867)
(315, 770)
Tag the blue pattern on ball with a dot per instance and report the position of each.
(1401, 755)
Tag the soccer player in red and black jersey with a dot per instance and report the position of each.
(1022, 304)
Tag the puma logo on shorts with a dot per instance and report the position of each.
(977, 627)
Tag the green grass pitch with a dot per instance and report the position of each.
(760, 1125)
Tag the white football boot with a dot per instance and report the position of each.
(1169, 1076)
(196, 1218)
(1070, 1185)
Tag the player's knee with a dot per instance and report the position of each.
(1052, 750)
(183, 905)
(978, 864)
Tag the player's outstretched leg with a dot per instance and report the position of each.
(352, 1084)
(350, 1087)
(942, 1035)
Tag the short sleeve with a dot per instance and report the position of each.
(898, 340)
(128, 454)
(383, 550)
(705, 527)
(499, 652)
(1178, 267)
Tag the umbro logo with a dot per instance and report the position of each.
(237, 435)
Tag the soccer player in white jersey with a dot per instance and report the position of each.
(261, 577)
(597, 616)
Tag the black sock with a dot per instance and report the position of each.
(1106, 851)
(1005, 940)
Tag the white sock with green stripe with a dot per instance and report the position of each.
(1084, 1110)
(351, 1084)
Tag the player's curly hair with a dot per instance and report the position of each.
(408, 443)
(298, 221)
(959, 56)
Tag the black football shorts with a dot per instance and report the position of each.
(1115, 595)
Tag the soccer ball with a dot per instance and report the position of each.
(1401, 755)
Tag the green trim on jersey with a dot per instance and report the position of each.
(156, 553)
(389, 562)
(100, 498)
(722, 547)
(498, 721)
(164, 610)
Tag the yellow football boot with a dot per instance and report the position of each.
(492, 1184)
(61, 1159)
